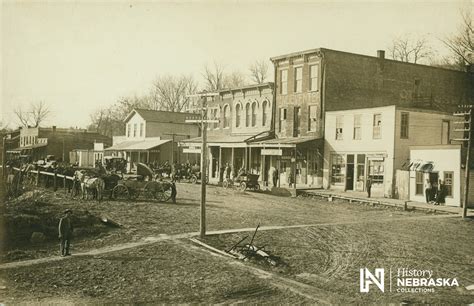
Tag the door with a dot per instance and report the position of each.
(350, 172)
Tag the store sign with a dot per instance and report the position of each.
(278, 152)
(192, 150)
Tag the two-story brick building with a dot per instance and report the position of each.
(312, 82)
(244, 115)
(152, 136)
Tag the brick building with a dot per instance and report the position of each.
(38, 142)
(152, 136)
(311, 82)
(245, 115)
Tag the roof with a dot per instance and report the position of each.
(138, 145)
(160, 116)
(37, 145)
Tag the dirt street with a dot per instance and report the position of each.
(321, 262)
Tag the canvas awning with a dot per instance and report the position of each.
(138, 145)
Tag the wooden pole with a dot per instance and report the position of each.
(203, 169)
(467, 169)
(4, 157)
(294, 174)
(38, 177)
(55, 180)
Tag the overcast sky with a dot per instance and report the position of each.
(79, 56)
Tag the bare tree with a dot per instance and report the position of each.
(410, 50)
(234, 79)
(34, 115)
(214, 77)
(170, 93)
(461, 44)
(259, 71)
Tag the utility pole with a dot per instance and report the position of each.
(466, 112)
(4, 157)
(203, 121)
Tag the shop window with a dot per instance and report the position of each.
(298, 79)
(357, 127)
(313, 77)
(312, 118)
(419, 183)
(376, 171)
(226, 116)
(312, 162)
(238, 110)
(339, 127)
(338, 169)
(254, 114)
(448, 182)
(404, 125)
(284, 82)
(377, 125)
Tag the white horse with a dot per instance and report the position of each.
(89, 185)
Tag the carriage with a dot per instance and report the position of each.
(243, 181)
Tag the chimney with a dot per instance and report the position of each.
(381, 54)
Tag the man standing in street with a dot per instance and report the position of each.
(428, 191)
(65, 232)
(369, 186)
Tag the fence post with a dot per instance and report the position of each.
(55, 185)
(64, 182)
(38, 178)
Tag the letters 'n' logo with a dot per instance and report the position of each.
(367, 278)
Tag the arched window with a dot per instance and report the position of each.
(247, 114)
(254, 113)
(226, 116)
(264, 112)
(237, 115)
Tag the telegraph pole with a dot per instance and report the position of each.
(466, 112)
(203, 121)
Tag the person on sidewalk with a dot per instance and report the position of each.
(369, 186)
(428, 191)
(441, 195)
(65, 232)
(174, 192)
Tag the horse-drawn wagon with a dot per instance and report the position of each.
(243, 181)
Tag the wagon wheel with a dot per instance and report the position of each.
(225, 184)
(243, 186)
(193, 179)
(164, 193)
(256, 187)
(120, 192)
(150, 191)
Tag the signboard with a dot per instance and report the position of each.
(278, 152)
(192, 150)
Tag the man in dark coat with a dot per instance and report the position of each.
(174, 192)
(65, 232)
(369, 186)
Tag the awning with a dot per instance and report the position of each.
(217, 140)
(289, 142)
(422, 166)
(37, 145)
(138, 145)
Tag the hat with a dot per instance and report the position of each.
(67, 211)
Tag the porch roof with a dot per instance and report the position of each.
(34, 146)
(138, 145)
(288, 142)
(215, 140)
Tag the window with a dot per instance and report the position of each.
(296, 121)
(338, 169)
(264, 113)
(141, 129)
(282, 125)
(215, 116)
(298, 79)
(313, 77)
(134, 130)
(419, 183)
(357, 127)
(377, 126)
(254, 114)
(404, 125)
(238, 110)
(376, 171)
(284, 82)
(226, 116)
(312, 118)
(129, 128)
(247, 114)
(448, 182)
(339, 126)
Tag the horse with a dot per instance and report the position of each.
(89, 184)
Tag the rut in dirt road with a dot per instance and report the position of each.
(163, 237)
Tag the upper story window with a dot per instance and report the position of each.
(282, 116)
(129, 129)
(339, 127)
(312, 118)
(226, 116)
(134, 130)
(314, 77)
(357, 127)
(284, 82)
(264, 113)
(298, 79)
(296, 121)
(404, 122)
(377, 126)
(238, 110)
(215, 116)
(247, 115)
(254, 114)
(141, 129)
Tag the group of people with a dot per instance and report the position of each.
(435, 192)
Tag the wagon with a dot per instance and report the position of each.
(243, 181)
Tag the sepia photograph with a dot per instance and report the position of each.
(237, 152)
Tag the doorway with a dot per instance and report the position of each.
(350, 172)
